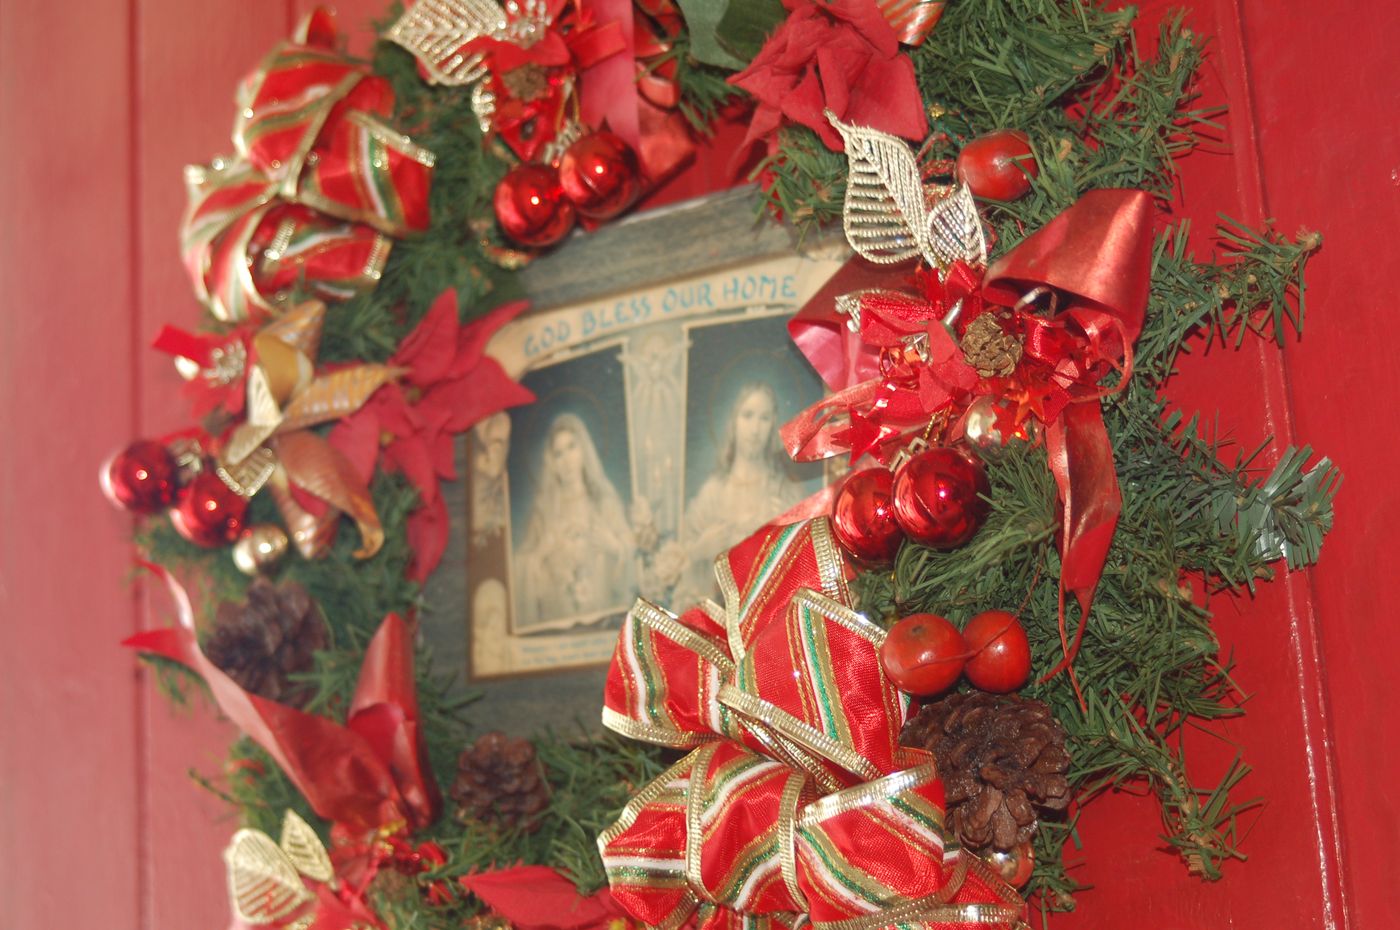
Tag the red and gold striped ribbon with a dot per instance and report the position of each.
(912, 20)
(318, 188)
(797, 804)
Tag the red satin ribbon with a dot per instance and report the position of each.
(368, 774)
(901, 389)
(1097, 255)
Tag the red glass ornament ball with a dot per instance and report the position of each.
(998, 165)
(141, 478)
(531, 207)
(1000, 654)
(863, 517)
(209, 512)
(939, 498)
(923, 654)
(601, 175)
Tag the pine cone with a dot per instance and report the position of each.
(989, 348)
(500, 781)
(268, 637)
(1002, 760)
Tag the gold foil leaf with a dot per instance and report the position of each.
(247, 476)
(955, 229)
(263, 408)
(435, 31)
(311, 535)
(299, 327)
(286, 369)
(319, 469)
(884, 214)
(335, 395)
(262, 883)
(245, 440)
(304, 849)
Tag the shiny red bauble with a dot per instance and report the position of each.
(998, 166)
(923, 654)
(531, 207)
(862, 517)
(1000, 655)
(141, 478)
(939, 497)
(600, 174)
(209, 513)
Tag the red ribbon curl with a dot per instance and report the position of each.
(366, 775)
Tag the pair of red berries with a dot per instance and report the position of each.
(597, 178)
(145, 478)
(924, 654)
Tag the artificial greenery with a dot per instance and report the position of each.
(1100, 112)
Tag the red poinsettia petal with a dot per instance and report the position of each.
(869, 22)
(412, 456)
(357, 438)
(427, 529)
(428, 351)
(886, 97)
(487, 389)
(805, 103)
(535, 897)
(472, 340)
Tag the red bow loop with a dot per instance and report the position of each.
(363, 776)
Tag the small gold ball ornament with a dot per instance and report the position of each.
(259, 548)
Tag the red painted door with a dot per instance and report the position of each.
(102, 104)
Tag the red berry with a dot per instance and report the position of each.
(209, 513)
(600, 174)
(923, 654)
(531, 207)
(862, 517)
(141, 478)
(939, 497)
(1000, 655)
(998, 166)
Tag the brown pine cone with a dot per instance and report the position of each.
(1002, 759)
(268, 637)
(500, 781)
(989, 348)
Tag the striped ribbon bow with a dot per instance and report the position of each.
(318, 186)
(797, 805)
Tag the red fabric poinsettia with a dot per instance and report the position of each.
(450, 384)
(842, 56)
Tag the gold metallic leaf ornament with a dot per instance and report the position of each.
(265, 880)
(890, 217)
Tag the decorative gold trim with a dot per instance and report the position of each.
(787, 836)
(669, 625)
(393, 139)
(689, 902)
(648, 733)
(868, 793)
(802, 734)
(843, 615)
(830, 564)
(729, 589)
(694, 808)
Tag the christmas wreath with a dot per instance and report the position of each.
(991, 621)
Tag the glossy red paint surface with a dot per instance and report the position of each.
(101, 105)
